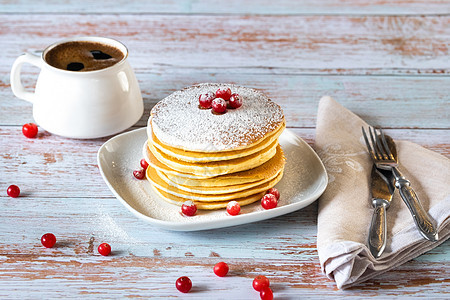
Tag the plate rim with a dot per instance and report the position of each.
(212, 224)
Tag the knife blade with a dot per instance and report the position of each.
(382, 188)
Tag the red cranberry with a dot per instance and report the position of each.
(233, 208)
(224, 93)
(183, 284)
(13, 191)
(219, 105)
(266, 294)
(269, 201)
(104, 249)
(274, 192)
(48, 240)
(139, 174)
(205, 100)
(30, 130)
(235, 101)
(189, 208)
(221, 269)
(144, 164)
(260, 282)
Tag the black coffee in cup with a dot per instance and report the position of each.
(83, 56)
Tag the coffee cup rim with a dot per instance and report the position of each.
(99, 39)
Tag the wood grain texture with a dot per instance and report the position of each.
(385, 60)
(256, 7)
(142, 253)
(379, 100)
(74, 162)
(134, 276)
(249, 44)
(146, 260)
(304, 60)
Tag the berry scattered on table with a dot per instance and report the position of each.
(219, 105)
(183, 284)
(188, 208)
(13, 191)
(224, 93)
(235, 101)
(269, 201)
(221, 269)
(139, 174)
(266, 294)
(233, 208)
(144, 164)
(274, 192)
(260, 283)
(30, 130)
(48, 240)
(104, 249)
(205, 100)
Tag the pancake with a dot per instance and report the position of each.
(210, 189)
(196, 156)
(161, 185)
(207, 205)
(177, 121)
(268, 169)
(209, 158)
(155, 163)
(216, 168)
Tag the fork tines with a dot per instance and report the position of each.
(379, 150)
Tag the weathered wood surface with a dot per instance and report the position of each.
(381, 59)
(299, 96)
(295, 63)
(250, 44)
(56, 167)
(255, 7)
(147, 260)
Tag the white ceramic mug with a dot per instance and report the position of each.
(82, 105)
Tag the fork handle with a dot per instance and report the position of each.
(423, 221)
(378, 228)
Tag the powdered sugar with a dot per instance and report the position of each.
(178, 121)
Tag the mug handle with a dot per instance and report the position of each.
(15, 79)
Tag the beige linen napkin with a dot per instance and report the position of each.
(345, 209)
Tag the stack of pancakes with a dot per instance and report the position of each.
(211, 159)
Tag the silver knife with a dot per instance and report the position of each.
(382, 188)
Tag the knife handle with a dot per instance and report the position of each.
(377, 232)
(423, 221)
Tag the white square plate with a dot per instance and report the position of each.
(304, 180)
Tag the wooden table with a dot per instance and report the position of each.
(388, 61)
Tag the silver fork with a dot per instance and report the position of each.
(383, 152)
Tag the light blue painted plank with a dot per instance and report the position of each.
(282, 7)
(298, 44)
(146, 260)
(68, 168)
(154, 279)
(108, 221)
(388, 101)
(75, 221)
